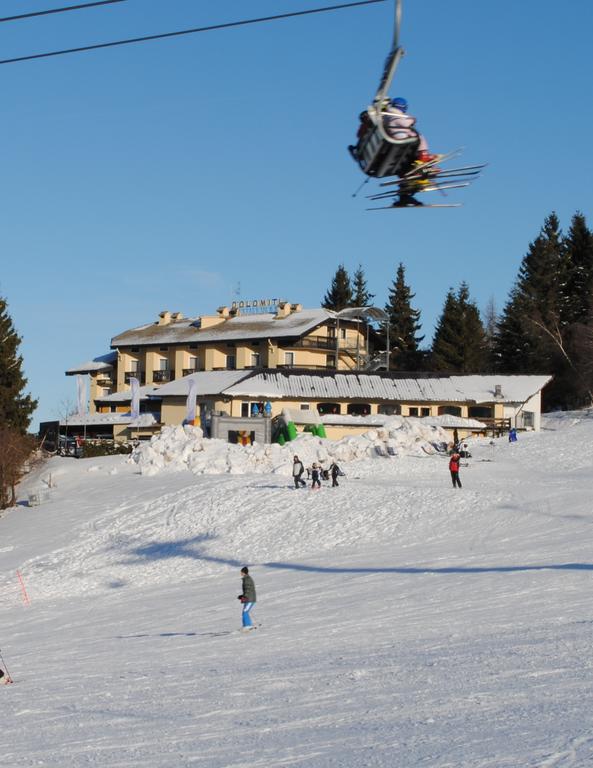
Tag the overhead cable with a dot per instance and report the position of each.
(193, 31)
(78, 7)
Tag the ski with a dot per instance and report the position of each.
(430, 188)
(438, 159)
(468, 170)
(422, 205)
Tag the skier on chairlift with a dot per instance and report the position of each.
(400, 125)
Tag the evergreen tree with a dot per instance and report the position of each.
(339, 295)
(15, 407)
(579, 247)
(446, 353)
(361, 296)
(460, 341)
(490, 329)
(538, 305)
(404, 325)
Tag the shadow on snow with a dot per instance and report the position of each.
(194, 548)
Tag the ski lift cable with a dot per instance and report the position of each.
(64, 9)
(192, 31)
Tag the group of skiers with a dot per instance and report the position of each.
(316, 473)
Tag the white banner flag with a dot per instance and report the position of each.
(191, 402)
(81, 395)
(135, 406)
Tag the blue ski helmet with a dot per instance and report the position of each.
(400, 103)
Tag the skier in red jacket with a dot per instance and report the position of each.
(454, 469)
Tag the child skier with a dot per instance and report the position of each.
(454, 469)
(247, 598)
(315, 482)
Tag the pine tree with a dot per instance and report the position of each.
(460, 342)
(404, 325)
(15, 408)
(361, 296)
(446, 353)
(538, 306)
(579, 246)
(339, 295)
(490, 329)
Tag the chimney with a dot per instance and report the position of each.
(296, 307)
(498, 391)
(283, 310)
(175, 316)
(223, 312)
(164, 318)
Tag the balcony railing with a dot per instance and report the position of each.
(140, 375)
(325, 342)
(161, 376)
(189, 371)
(104, 381)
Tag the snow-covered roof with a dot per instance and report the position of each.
(207, 383)
(255, 326)
(378, 420)
(101, 363)
(514, 389)
(96, 419)
(451, 389)
(125, 396)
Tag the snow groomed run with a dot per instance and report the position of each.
(404, 622)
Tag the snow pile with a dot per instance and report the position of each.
(178, 448)
(563, 419)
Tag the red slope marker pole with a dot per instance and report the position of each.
(26, 600)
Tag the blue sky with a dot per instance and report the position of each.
(163, 175)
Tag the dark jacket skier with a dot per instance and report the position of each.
(247, 598)
(335, 471)
(297, 472)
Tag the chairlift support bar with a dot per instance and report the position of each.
(393, 59)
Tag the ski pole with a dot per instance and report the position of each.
(361, 186)
(8, 677)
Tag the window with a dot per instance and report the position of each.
(163, 364)
(134, 349)
(255, 359)
(289, 358)
(330, 361)
(412, 411)
(358, 409)
(425, 412)
(231, 362)
(324, 408)
(389, 409)
(193, 346)
(251, 409)
(106, 392)
(163, 349)
(133, 366)
(480, 412)
(193, 363)
(342, 333)
(528, 419)
(305, 407)
(450, 410)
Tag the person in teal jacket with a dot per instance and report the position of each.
(247, 597)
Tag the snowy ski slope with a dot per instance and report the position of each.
(404, 623)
